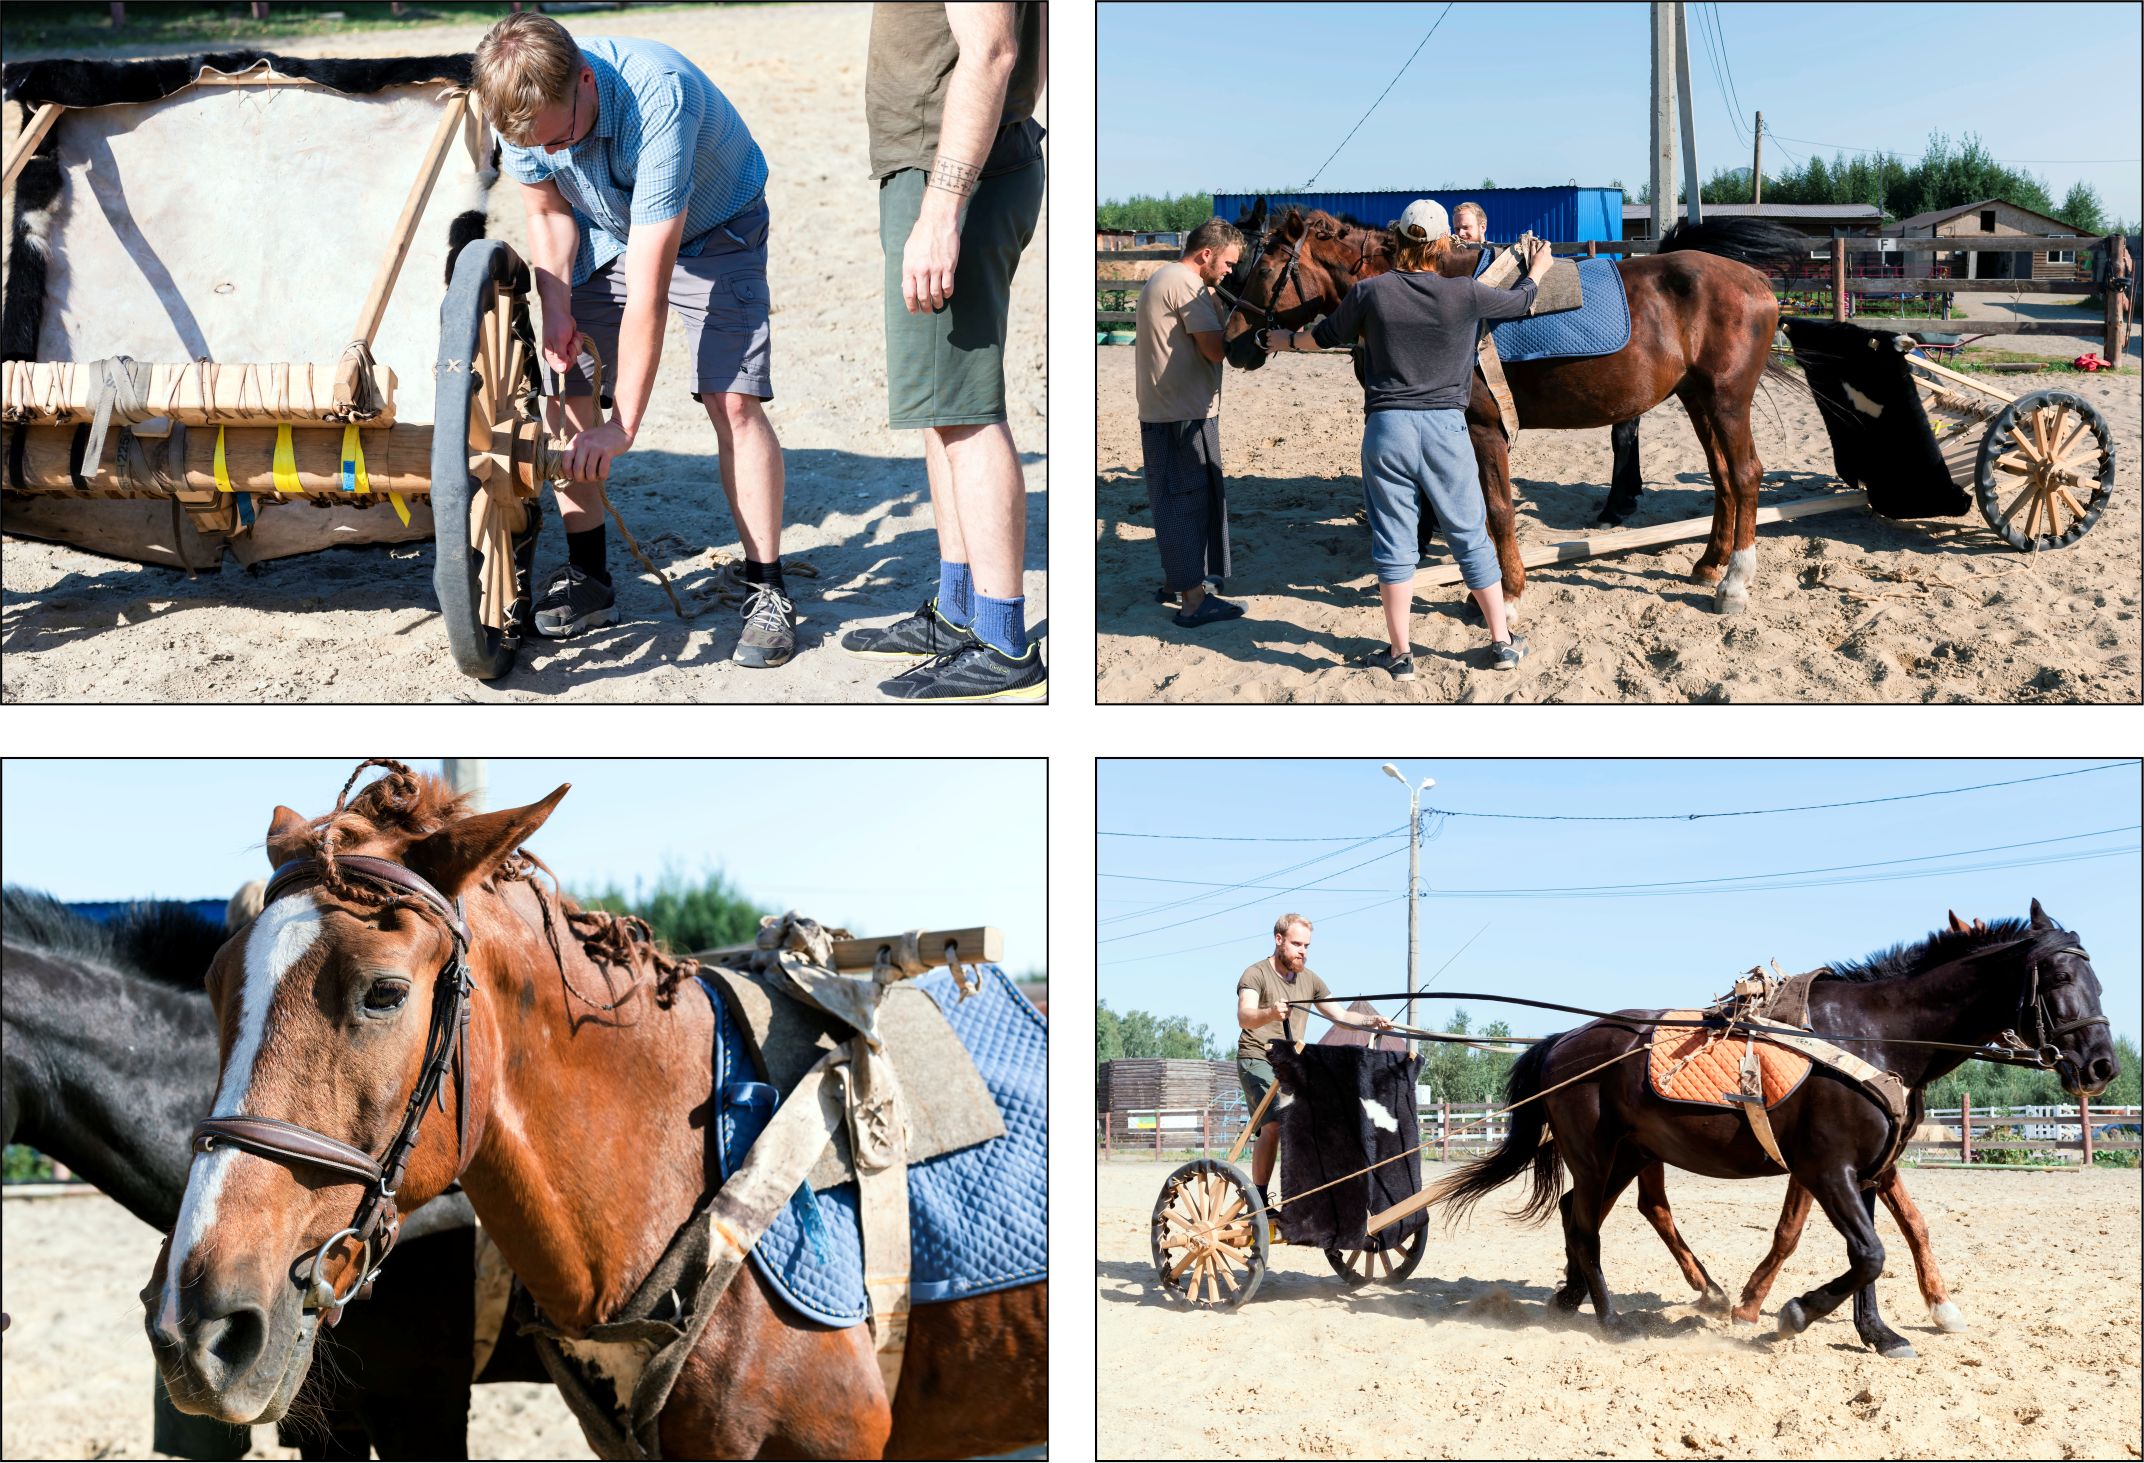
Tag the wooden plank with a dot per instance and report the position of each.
(1919, 285)
(1571, 550)
(1412, 1204)
(1945, 373)
(1117, 317)
(978, 944)
(383, 282)
(26, 143)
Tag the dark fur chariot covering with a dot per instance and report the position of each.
(1352, 1107)
(1880, 438)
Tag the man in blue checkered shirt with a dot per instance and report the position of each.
(643, 188)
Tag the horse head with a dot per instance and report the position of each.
(336, 1006)
(2059, 1008)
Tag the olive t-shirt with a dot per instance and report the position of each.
(905, 75)
(1270, 988)
(1174, 382)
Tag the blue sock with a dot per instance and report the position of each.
(956, 594)
(1002, 624)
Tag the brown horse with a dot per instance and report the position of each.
(576, 1121)
(1701, 327)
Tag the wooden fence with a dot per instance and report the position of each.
(1843, 288)
(1946, 1137)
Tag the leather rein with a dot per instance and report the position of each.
(377, 1221)
(1287, 278)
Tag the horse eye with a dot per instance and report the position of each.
(386, 995)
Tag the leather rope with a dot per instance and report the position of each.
(558, 449)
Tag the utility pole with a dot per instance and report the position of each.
(1694, 204)
(1756, 167)
(1414, 885)
(466, 775)
(1662, 163)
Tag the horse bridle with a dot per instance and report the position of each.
(1287, 278)
(377, 1220)
(2035, 1018)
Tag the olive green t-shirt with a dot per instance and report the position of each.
(910, 62)
(1173, 382)
(1270, 988)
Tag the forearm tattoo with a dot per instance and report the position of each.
(954, 176)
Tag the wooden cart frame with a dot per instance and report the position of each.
(275, 432)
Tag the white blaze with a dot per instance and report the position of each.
(278, 940)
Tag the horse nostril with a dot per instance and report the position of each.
(233, 1341)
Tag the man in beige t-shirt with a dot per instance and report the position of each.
(1178, 365)
(1263, 994)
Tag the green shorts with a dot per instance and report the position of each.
(1256, 1075)
(946, 368)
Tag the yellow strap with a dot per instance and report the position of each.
(353, 461)
(223, 478)
(401, 508)
(286, 466)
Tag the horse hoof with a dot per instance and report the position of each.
(1947, 1318)
(1792, 1319)
(1731, 602)
(1899, 1351)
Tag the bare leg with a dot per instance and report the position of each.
(752, 471)
(1399, 610)
(951, 547)
(1263, 1153)
(1491, 599)
(985, 497)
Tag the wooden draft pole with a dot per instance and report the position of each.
(420, 192)
(31, 136)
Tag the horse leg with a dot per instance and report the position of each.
(1492, 460)
(1697, 400)
(1793, 1214)
(1933, 1292)
(1653, 1204)
(1852, 1213)
(1628, 479)
(1738, 482)
(1592, 1195)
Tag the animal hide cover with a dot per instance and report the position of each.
(1353, 1107)
(1880, 438)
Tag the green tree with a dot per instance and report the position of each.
(1144, 212)
(2082, 210)
(1143, 1034)
(686, 914)
(1108, 1034)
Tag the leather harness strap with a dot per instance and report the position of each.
(377, 1220)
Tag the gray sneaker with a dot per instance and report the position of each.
(573, 602)
(1505, 655)
(770, 628)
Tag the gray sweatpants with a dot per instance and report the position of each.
(1189, 499)
(1412, 456)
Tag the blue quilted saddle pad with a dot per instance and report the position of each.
(1599, 327)
(976, 1217)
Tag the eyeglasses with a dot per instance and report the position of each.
(572, 126)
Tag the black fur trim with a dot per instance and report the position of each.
(468, 226)
(76, 83)
(22, 311)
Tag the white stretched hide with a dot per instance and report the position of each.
(245, 223)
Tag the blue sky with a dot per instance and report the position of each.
(1605, 951)
(862, 844)
(1542, 95)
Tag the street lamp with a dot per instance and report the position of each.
(1414, 882)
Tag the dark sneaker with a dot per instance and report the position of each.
(973, 672)
(923, 635)
(1505, 655)
(1401, 667)
(1212, 609)
(770, 628)
(573, 602)
(1163, 595)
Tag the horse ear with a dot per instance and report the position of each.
(1957, 925)
(463, 853)
(1291, 224)
(2040, 921)
(1258, 215)
(287, 837)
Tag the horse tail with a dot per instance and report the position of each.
(1529, 1146)
(1752, 241)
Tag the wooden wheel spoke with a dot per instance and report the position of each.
(2030, 448)
(2069, 502)
(2019, 502)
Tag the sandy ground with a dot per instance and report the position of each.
(77, 1370)
(1466, 1360)
(1847, 607)
(361, 624)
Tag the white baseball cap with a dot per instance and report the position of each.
(1427, 215)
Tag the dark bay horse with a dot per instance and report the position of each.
(577, 1120)
(1702, 321)
(1965, 988)
(108, 1055)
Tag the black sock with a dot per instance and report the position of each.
(587, 552)
(758, 573)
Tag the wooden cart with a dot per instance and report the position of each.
(214, 308)
(1211, 1235)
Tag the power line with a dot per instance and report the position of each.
(1762, 812)
(1166, 906)
(1721, 32)
(1237, 939)
(1200, 918)
(1731, 106)
(1246, 838)
(1395, 81)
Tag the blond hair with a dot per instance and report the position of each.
(1474, 208)
(1288, 922)
(524, 63)
(1412, 252)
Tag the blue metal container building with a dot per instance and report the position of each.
(1557, 214)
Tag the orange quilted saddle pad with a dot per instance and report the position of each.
(1713, 1075)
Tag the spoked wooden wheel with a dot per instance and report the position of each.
(486, 459)
(2046, 470)
(1209, 1233)
(1385, 1267)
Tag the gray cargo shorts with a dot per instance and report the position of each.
(719, 296)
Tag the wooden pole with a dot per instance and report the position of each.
(2084, 1115)
(1838, 274)
(26, 142)
(978, 945)
(1756, 168)
(1235, 1150)
(383, 283)
(2115, 342)
(1965, 1127)
(1569, 550)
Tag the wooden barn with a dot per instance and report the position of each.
(1130, 1091)
(1995, 218)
